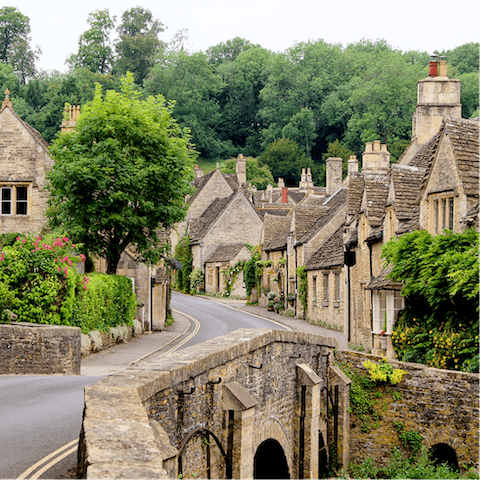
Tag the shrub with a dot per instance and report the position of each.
(108, 302)
(41, 278)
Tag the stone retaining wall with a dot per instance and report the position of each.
(441, 405)
(33, 349)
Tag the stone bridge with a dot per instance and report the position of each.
(221, 409)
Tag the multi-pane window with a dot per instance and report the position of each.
(14, 200)
(443, 214)
(337, 289)
(325, 289)
(386, 305)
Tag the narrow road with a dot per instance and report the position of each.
(41, 415)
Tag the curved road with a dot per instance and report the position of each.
(43, 414)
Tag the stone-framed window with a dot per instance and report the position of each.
(386, 305)
(15, 199)
(314, 289)
(336, 302)
(325, 290)
(442, 210)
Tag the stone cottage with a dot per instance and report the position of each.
(24, 163)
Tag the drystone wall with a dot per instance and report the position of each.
(441, 405)
(32, 349)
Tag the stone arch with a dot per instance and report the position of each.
(272, 429)
(270, 461)
(448, 436)
(444, 453)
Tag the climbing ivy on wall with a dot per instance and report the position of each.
(183, 253)
(303, 288)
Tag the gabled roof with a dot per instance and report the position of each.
(280, 212)
(406, 183)
(200, 226)
(199, 182)
(330, 254)
(275, 233)
(463, 135)
(328, 210)
(355, 193)
(225, 253)
(376, 194)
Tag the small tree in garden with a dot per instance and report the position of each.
(40, 279)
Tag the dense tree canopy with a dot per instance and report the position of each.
(257, 175)
(122, 174)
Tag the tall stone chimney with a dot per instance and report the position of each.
(437, 96)
(376, 158)
(334, 174)
(241, 170)
(7, 102)
(198, 171)
(306, 182)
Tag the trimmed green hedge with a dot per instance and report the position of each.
(107, 302)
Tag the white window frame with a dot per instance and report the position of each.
(386, 305)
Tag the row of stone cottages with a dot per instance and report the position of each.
(338, 231)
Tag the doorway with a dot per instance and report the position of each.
(270, 461)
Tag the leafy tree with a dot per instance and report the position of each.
(239, 100)
(94, 50)
(120, 175)
(469, 94)
(15, 46)
(228, 51)
(301, 129)
(138, 44)
(464, 58)
(286, 160)
(257, 175)
(189, 81)
(183, 253)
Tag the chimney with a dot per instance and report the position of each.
(437, 97)
(281, 182)
(376, 158)
(284, 195)
(433, 68)
(269, 193)
(70, 116)
(334, 174)
(241, 170)
(198, 171)
(7, 102)
(352, 166)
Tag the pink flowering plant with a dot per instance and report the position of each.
(41, 277)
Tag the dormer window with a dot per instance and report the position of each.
(14, 200)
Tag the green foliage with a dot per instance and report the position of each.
(231, 274)
(15, 46)
(384, 372)
(197, 281)
(183, 253)
(94, 50)
(285, 160)
(252, 271)
(109, 301)
(419, 467)
(439, 325)
(138, 44)
(41, 278)
(303, 288)
(257, 175)
(120, 175)
(301, 129)
(409, 438)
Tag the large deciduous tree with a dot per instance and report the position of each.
(94, 50)
(120, 175)
(138, 44)
(15, 46)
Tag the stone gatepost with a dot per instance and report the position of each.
(239, 406)
(309, 386)
(159, 298)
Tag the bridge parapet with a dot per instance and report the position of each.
(215, 408)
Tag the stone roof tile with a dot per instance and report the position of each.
(330, 253)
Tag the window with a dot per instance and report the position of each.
(386, 305)
(337, 290)
(325, 289)
(14, 200)
(450, 212)
(443, 210)
(314, 286)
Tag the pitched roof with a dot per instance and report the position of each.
(276, 231)
(330, 253)
(355, 193)
(280, 212)
(199, 183)
(225, 253)
(381, 282)
(329, 209)
(407, 181)
(463, 135)
(376, 194)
